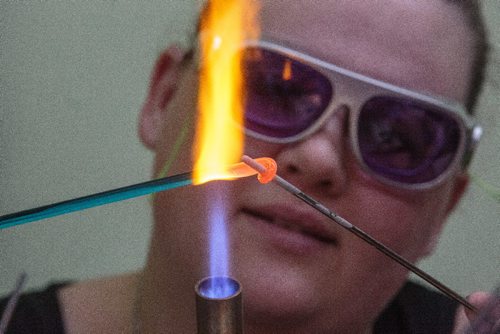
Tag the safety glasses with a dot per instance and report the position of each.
(403, 138)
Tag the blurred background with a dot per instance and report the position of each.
(73, 76)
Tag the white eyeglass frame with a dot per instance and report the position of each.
(353, 90)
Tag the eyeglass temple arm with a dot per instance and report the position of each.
(473, 137)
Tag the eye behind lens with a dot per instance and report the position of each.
(405, 141)
(283, 96)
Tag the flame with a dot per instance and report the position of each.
(225, 25)
(287, 70)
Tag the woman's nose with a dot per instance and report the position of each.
(316, 163)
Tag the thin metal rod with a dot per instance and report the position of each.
(11, 304)
(98, 199)
(378, 245)
(361, 234)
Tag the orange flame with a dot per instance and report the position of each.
(287, 70)
(264, 167)
(225, 25)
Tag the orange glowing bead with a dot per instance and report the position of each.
(265, 167)
(270, 173)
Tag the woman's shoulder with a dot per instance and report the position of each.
(98, 305)
(417, 309)
(36, 311)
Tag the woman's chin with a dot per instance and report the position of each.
(280, 297)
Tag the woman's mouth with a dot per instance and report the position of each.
(293, 230)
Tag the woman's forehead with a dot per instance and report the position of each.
(420, 45)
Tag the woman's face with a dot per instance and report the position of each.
(286, 273)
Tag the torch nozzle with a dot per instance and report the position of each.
(218, 306)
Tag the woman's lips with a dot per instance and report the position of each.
(291, 228)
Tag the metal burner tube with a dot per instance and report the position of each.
(216, 315)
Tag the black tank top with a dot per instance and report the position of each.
(415, 310)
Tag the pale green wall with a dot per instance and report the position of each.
(72, 78)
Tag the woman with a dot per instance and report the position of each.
(298, 276)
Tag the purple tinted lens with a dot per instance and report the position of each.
(406, 142)
(283, 97)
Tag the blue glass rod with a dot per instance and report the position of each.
(90, 201)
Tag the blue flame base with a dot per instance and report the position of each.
(218, 287)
